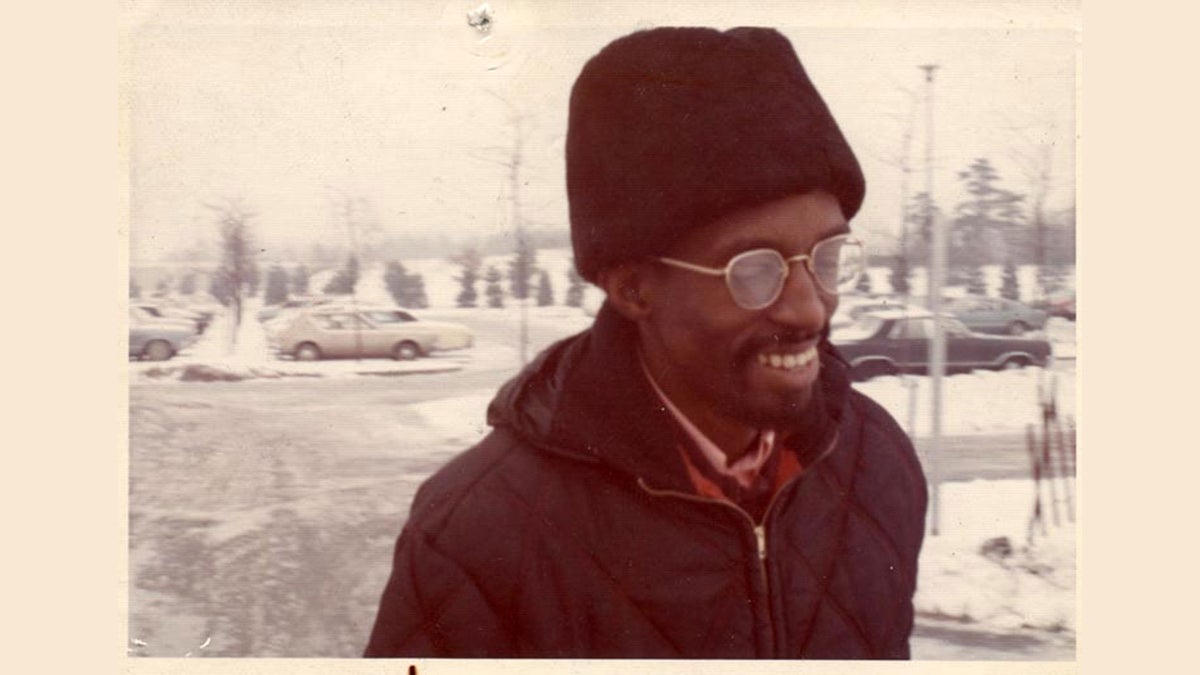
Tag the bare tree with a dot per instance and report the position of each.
(1033, 154)
(357, 215)
(902, 161)
(522, 266)
(238, 267)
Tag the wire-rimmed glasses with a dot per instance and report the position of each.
(755, 278)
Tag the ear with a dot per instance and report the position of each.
(626, 286)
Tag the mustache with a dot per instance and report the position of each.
(781, 338)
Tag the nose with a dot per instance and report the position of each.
(801, 304)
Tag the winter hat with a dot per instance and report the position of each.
(673, 128)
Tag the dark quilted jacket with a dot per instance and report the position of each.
(572, 531)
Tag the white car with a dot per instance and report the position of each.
(142, 314)
(158, 340)
(365, 331)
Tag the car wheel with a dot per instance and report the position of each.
(308, 352)
(1017, 328)
(876, 368)
(158, 350)
(1015, 363)
(406, 351)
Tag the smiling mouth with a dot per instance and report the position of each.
(789, 360)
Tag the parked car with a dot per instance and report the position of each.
(1060, 304)
(995, 315)
(897, 341)
(271, 311)
(157, 340)
(162, 310)
(853, 306)
(365, 331)
(143, 314)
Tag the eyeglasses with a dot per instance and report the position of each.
(755, 278)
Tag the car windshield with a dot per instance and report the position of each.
(866, 326)
(389, 316)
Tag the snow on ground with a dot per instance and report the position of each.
(1033, 586)
(981, 401)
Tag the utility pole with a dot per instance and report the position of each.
(906, 171)
(514, 179)
(352, 230)
(937, 346)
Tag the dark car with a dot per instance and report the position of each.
(995, 315)
(893, 342)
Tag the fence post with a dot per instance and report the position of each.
(1068, 474)
(1035, 469)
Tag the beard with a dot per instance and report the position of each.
(804, 415)
(786, 413)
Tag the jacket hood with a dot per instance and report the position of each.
(585, 397)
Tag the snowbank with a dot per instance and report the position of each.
(967, 573)
(978, 402)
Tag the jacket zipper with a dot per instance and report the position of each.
(759, 529)
(760, 532)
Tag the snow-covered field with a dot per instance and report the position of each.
(1028, 586)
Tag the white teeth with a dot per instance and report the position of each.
(788, 361)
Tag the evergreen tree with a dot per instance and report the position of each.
(394, 279)
(220, 288)
(975, 281)
(416, 289)
(345, 280)
(253, 282)
(921, 210)
(574, 295)
(135, 290)
(187, 285)
(1009, 287)
(495, 294)
(521, 268)
(407, 290)
(470, 262)
(300, 280)
(545, 294)
(899, 276)
(864, 283)
(163, 288)
(985, 222)
(276, 292)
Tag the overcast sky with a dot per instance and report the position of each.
(291, 106)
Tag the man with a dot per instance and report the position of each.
(692, 477)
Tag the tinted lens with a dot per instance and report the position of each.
(755, 278)
(837, 263)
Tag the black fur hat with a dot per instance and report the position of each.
(673, 128)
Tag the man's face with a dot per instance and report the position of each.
(717, 360)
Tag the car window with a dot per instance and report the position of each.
(910, 329)
(339, 321)
(388, 316)
(861, 329)
(954, 328)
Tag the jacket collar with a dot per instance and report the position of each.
(587, 398)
